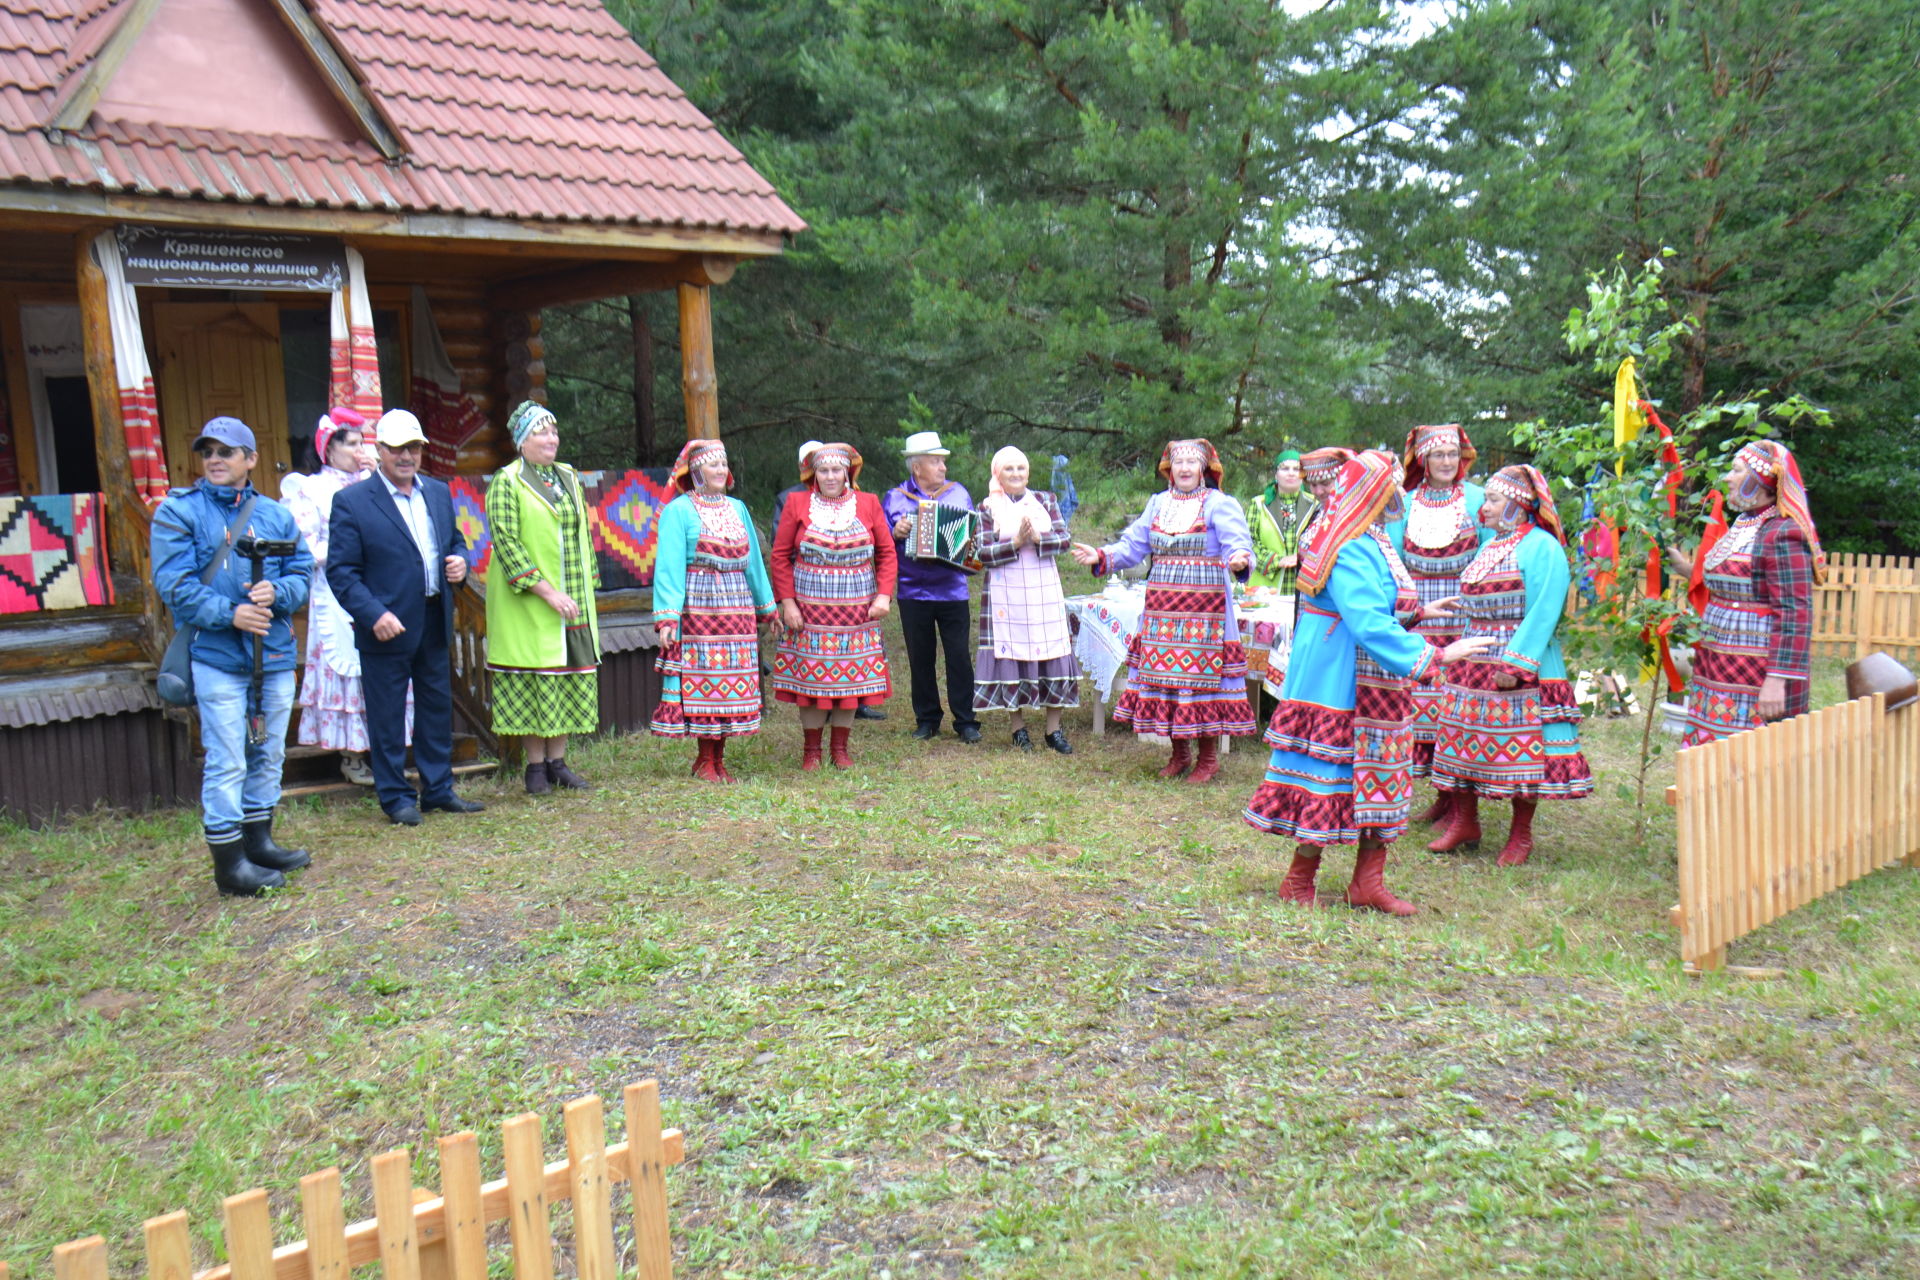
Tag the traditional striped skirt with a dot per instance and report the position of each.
(837, 658)
(1186, 669)
(710, 674)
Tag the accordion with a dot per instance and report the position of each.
(945, 534)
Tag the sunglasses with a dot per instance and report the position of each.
(414, 447)
(222, 451)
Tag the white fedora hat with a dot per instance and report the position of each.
(924, 444)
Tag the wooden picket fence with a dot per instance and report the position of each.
(1778, 816)
(1868, 603)
(416, 1234)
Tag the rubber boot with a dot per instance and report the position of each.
(538, 783)
(809, 750)
(1177, 762)
(1520, 837)
(1207, 767)
(256, 838)
(703, 764)
(1437, 813)
(235, 876)
(1298, 886)
(1369, 888)
(837, 746)
(720, 761)
(1463, 825)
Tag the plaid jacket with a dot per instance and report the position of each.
(1783, 578)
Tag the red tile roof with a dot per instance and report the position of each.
(531, 110)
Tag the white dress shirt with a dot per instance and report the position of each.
(413, 514)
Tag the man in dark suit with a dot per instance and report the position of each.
(394, 559)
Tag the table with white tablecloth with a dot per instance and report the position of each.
(1104, 625)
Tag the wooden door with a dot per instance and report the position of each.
(221, 358)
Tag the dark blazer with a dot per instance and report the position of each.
(373, 565)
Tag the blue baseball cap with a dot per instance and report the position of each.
(230, 431)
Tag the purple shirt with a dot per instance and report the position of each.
(926, 579)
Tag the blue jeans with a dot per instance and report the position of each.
(241, 781)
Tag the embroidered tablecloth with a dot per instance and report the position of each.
(1104, 625)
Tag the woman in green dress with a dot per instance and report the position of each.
(543, 635)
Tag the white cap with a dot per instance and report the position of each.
(806, 449)
(924, 444)
(398, 427)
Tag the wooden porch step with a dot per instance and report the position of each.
(341, 787)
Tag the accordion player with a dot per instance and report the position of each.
(946, 534)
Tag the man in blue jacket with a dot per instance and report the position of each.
(240, 784)
(394, 560)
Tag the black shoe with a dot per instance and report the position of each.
(538, 781)
(256, 838)
(452, 804)
(406, 815)
(869, 713)
(922, 732)
(561, 776)
(968, 732)
(1022, 739)
(1058, 741)
(235, 876)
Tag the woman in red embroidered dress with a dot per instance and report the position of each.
(1751, 664)
(834, 573)
(710, 596)
(1437, 538)
(1510, 728)
(1186, 670)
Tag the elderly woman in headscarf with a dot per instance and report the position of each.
(1510, 726)
(834, 574)
(1186, 669)
(543, 631)
(1319, 468)
(333, 707)
(1025, 655)
(711, 595)
(1338, 773)
(1437, 538)
(1278, 518)
(1750, 665)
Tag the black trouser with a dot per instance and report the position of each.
(919, 620)
(383, 680)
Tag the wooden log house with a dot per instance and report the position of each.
(264, 207)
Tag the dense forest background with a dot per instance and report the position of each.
(1088, 226)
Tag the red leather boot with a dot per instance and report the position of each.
(1463, 826)
(1177, 762)
(1520, 838)
(1369, 888)
(809, 750)
(1439, 811)
(1207, 767)
(837, 747)
(720, 761)
(1298, 886)
(706, 768)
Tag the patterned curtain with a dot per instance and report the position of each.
(133, 377)
(353, 357)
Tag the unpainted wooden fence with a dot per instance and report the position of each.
(417, 1234)
(1868, 603)
(1778, 816)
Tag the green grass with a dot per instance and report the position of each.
(965, 1012)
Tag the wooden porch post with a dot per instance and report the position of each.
(696, 363)
(129, 523)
